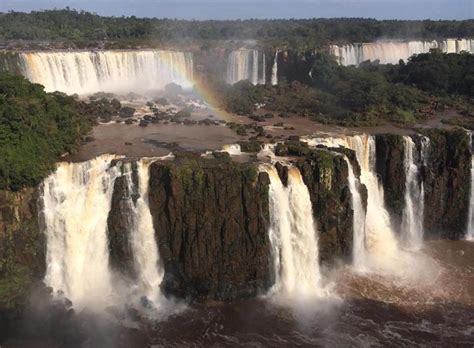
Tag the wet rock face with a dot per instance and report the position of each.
(447, 184)
(446, 180)
(326, 176)
(119, 224)
(22, 254)
(325, 173)
(21, 242)
(211, 222)
(390, 152)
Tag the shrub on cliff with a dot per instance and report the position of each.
(35, 129)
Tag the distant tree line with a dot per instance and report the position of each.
(82, 28)
(366, 95)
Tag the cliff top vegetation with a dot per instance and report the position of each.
(80, 29)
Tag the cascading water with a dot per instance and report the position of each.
(245, 64)
(111, 71)
(358, 221)
(143, 243)
(413, 212)
(390, 52)
(381, 244)
(293, 236)
(76, 202)
(275, 70)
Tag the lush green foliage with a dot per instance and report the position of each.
(365, 95)
(83, 29)
(440, 73)
(35, 129)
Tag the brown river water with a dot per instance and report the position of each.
(434, 308)
(369, 310)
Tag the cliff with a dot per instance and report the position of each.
(22, 258)
(447, 182)
(211, 222)
(390, 168)
(445, 173)
(325, 173)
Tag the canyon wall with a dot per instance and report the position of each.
(208, 219)
(445, 173)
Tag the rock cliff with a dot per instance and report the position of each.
(211, 223)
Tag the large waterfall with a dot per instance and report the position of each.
(390, 52)
(413, 212)
(246, 64)
(111, 71)
(76, 201)
(293, 236)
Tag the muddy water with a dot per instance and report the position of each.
(372, 310)
(433, 309)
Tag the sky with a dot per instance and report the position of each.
(242, 9)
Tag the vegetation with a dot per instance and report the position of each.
(84, 29)
(35, 129)
(365, 95)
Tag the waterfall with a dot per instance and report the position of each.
(245, 64)
(413, 212)
(390, 52)
(381, 244)
(76, 202)
(111, 71)
(358, 221)
(143, 243)
(293, 236)
(275, 70)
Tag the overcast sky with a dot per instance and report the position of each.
(234, 9)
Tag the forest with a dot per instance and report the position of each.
(36, 128)
(367, 95)
(82, 29)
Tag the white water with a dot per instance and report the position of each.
(275, 70)
(413, 212)
(390, 52)
(358, 221)
(293, 236)
(76, 200)
(232, 149)
(111, 71)
(246, 64)
(381, 244)
(143, 243)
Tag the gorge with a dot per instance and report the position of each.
(174, 221)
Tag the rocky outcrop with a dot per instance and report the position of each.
(120, 221)
(211, 222)
(325, 173)
(447, 181)
(22, 257)
(445, 174)
(390, 153)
